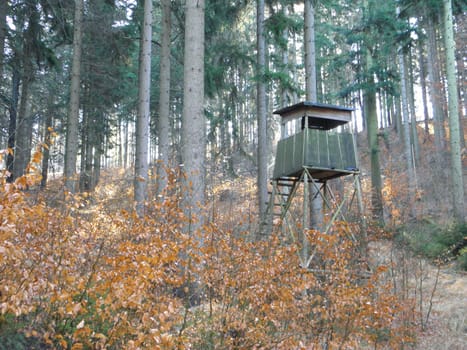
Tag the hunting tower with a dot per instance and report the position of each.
(314, 147)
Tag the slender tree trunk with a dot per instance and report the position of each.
(193, 125)
(453, 104)
(285, 61)
(310, 53)
(47, 141)
(3, 32)
(164, 97)
(371, 116)
(126, 136)
(413, 115)
(23, 129)
(435, 87)
(97, 160)
(406, 129)
(316, 201)
(142, 119)
(261, 110)
(294, 63)
(461, 53)
(119, 143)
(87, 130)
(421, 62)
(72, 132)
(13, 112)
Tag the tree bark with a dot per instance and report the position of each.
(310, 53)
(87, 139)
(371, 116)
(413, 115)
(23, 128)
(316, 201)
(72, 132)
(3, 32)
(193, 125)
(453, 106)
(435, 87)
(142, 119)
(13, 112)
(421, 63)
(261, 110)
(164, 97)
(47, 141)
(406, 129)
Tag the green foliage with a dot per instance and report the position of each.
(278, 22)
(12, 336)
(463, 258)
(434, 241)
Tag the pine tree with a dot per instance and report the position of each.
(71, 147)
(142, 119)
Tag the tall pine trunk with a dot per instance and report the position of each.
(453, 106)
(261, 109)
(435, 89)
(48, 142)
(193, 125)
(316, 202)
(371, 116)
(3, 32)
(406, 129)
(142, 119)
(13, 113)
(72, 132)
(164, 97)
(23, 128)
(422, 65)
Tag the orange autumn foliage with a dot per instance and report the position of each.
(88, 276)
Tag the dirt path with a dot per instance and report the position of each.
(444, 296)
(447, 326)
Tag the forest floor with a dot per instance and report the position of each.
(443, 291)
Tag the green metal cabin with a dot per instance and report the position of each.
(311, 139)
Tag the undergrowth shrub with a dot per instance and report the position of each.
(83, 276)
(436, 242)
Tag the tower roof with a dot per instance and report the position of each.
(320, 116)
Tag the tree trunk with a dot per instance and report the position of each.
(193, 125)
(164, 97)
(47, 142)
(461, 53)
(13, 112)
(97, 158)
(421, 63)
(119, 143)
(86, 151)
(72, 132)
(406, 130)
(453, 104)
(371, 116)
(435, 88)
(310, 53)
(142, 119)
(413, 115)
(316, 201)
(126, 134)
(285, 62)
(261, 110)
(23, 128)
(3, 32)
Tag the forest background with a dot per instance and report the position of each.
(138, 143)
